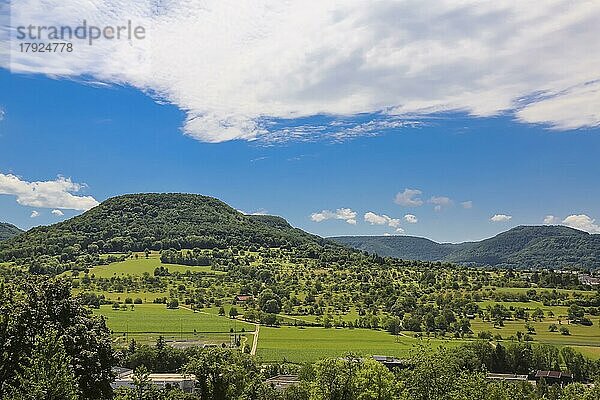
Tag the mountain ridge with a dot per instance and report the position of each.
(551, 246)
(8, 231)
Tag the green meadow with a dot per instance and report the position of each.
(309, 344)
(139, 266)
(156, 318)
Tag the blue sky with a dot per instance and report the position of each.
(117, 140)
(451, 120)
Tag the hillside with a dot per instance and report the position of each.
(405, 247)
(154, 221)
(523, 246)
(7, 231)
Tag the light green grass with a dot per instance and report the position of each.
(580, 335)
(310, 344)
(147, 297)
(156, 318)
(137, 267)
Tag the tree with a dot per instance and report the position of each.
(47, 374)
(575, 363)
(233, 312)
(173, 304)
(33, 306)
(335, 378)
(223, 374)
(375, 382)
(272, 306)
(575, 312)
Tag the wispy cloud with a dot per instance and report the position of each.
(247, 63)
(467, 204)
(440, 202)
(409, 198)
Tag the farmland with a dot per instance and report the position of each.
(299, 335)
(309, 344)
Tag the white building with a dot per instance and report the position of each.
(184, 382)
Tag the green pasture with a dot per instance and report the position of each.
(147, 297)
(309, 344)
(580, 335)
(156, 318)
(138, 266)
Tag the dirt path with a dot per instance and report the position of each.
(255, 342)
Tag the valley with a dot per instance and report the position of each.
(171, 279)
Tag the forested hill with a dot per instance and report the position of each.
(138, 222)
(405, 247)
(7, 231)
(523, 246)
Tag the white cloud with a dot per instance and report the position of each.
(551, 220)
(411, 219)
(2, 114)
(440, 202)
(345, 214)
(375, 219)
(34, 214)
(409, 198)
(467, 204)
(501, 218)
(400, 230)
(46, 194)
(582, 222)
(246, 64)
(58, 213)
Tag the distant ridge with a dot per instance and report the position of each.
(7, 231)
(523, 246)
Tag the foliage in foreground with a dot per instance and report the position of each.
(51, 347)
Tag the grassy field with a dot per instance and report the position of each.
(156, 318)
(310, 344)
(133, 266)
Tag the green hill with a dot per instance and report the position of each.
(7, 231)
(523, 246)
(154, 221)
(405, 247)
